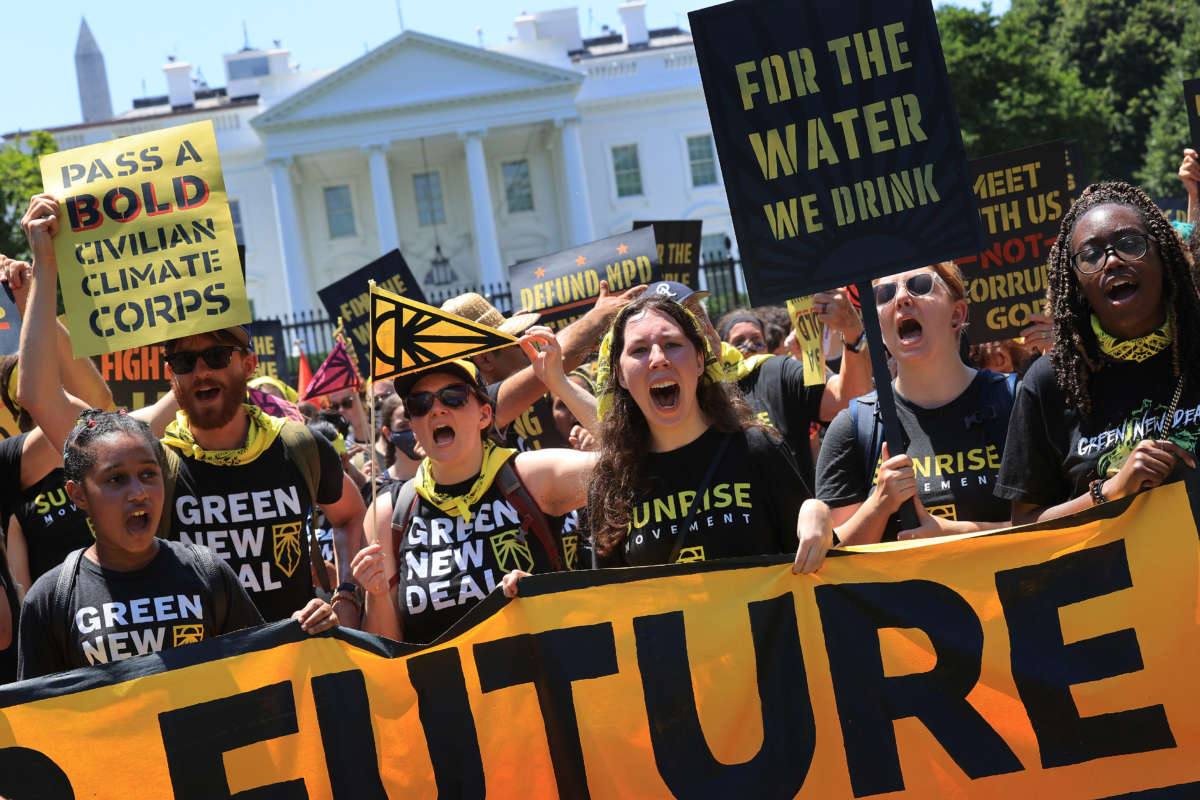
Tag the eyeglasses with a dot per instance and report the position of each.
(1129, 247)
(917, 286)
(345, 404)
(418, 404)
(218, 356)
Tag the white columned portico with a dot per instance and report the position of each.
(295, 265)
(579, 207)
(486, 244)
(381, 192)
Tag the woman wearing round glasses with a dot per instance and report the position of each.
(953, 418)
(446, 538)
(1116, 407)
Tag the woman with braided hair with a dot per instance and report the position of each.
(1116, 407)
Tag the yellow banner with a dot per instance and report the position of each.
(1051, 661)
(146, 249)
(809, 332)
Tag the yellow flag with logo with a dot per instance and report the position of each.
(407, 336)
(146, 249)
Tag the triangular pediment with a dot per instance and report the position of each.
(415, 70)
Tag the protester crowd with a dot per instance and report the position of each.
(640, 434)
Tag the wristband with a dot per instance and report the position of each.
(1096, 488)
(347, 586)
(858, 346)
(349, 597)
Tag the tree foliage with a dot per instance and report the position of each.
(1106, 72)
(20, 179)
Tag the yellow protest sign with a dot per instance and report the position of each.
(1046, 661)
(146, 249)
(809, 332)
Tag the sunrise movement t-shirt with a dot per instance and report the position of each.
(51, 523)
(956, 451)
(447, 565)
(1054, 452)
(534, 429)
(117, 615)
(749, 508)
(777, 394)
(255, 517)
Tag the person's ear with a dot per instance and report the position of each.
(959, 316)
(75, 492)
(620, 377)
(249, 362)
(485, 416)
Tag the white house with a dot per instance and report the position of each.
(467, 159)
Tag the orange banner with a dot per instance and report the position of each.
(1050, 661)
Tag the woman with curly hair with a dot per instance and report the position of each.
(686, 472)
(1116, 407)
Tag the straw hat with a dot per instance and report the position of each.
(476, 308)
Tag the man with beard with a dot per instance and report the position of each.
(245, 481)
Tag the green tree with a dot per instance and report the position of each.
(20, 179)
(1008, 89)
(1168, 133)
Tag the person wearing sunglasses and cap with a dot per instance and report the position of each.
(954, 420)
(445, 539)
(1116, 407)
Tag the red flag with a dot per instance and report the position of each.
(304, 371)
(335, 373)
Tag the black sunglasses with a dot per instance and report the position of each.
(418, 404)
(218, 356)
(346, 403)
(917, 285)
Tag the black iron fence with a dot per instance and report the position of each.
(314, 329)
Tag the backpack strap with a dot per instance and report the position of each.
(206, 566)
(532, 518)
(170, 474)
(404, 505)
(863, 413)
(64, 588)
(299, 441)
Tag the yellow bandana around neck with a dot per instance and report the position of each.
(1139, 349)
(494, 457)
(606, 384)
(735, 365)
(264, 429)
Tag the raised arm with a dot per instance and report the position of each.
(518, 392)
(854, 376)
(545, 358)
(374, 567)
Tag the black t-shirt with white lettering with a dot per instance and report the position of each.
(447, 565)
(750, 507)
(956, 451)
(51, 523)
(776, 392)
(255, 516)
(534, 429)
(1054, 452)
(117, 615)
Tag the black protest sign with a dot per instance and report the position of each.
(838, 140)
(137, 377)
(1076, 171)
(678, 249)
(1174, 209)
(564, 285)
(10, 322)
(269, 345)
(349, 299)
(1191, 99)
(1022, 195)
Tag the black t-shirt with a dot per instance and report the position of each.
(776, 392)
(8, 656)
(117, 615)
(51, 523)
(956, 451)
(1054, 453)
(255, 516)
(447, 565)
(10, 475)
(534, 429)
(750, 507)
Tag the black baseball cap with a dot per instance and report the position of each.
(459, 367)
(674, 290)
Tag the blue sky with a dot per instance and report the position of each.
(37, 87)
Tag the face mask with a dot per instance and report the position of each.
(407, 442)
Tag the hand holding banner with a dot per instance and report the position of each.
(131, 278)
